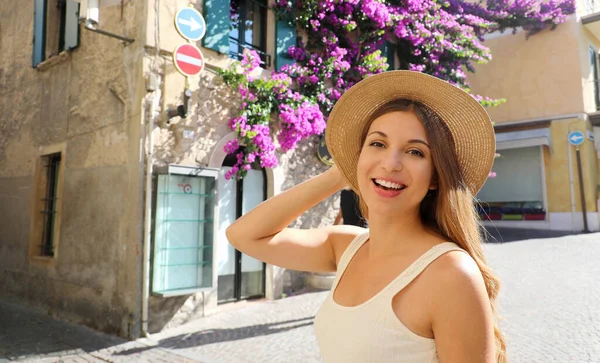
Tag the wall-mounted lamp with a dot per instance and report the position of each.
(181, 110)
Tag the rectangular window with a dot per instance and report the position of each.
(56, 28)
(52, 165)
(46, 210)
(248, 29)
(594, 75)
(184, 232)
(517, 191)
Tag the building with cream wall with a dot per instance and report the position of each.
(550, 83)
(113, 214)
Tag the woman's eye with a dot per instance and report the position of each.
(416, 152)
(376, 144)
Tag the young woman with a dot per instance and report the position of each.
(415, 286)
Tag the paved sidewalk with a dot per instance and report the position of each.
(268, 331)
(27, 335)
(550, 301)
(550, 298)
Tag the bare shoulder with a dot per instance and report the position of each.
(459, 264)
(340, 237)
(456, 287)
(457, 275)
(462, 320)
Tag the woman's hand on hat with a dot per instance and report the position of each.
(336, 177)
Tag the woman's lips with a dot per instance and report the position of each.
(386, 193)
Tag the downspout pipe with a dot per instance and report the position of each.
(581, 117)
(148, 212)
(153, 115)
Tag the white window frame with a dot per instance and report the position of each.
(526, 142)
(195, 172)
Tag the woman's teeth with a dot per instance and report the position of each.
(389, 185)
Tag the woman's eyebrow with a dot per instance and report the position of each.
(411, 141)
(378, 132)
(418, 141)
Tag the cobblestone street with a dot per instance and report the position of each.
(29, 336)
(550, 299)
(550, 303)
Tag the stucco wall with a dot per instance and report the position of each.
(87, 100)
(558, 173)
(539, 76)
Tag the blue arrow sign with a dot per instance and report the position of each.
(576, 138)
(190, 24)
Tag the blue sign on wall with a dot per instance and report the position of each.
(190, 24)
(576, 138)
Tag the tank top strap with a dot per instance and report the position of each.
(349, 252)
(418, 266)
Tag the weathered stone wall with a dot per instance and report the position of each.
(214, 104)
(92, 102)
(87, 100)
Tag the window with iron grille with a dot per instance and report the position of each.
(248, 29)
(51, 165)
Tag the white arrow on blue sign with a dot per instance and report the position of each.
(190, 24)
(576, 138)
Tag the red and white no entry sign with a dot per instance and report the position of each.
(188, 59)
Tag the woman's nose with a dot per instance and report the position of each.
(392, 162)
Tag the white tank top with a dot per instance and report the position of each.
(371, 331)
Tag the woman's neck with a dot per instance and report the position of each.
(396, 235)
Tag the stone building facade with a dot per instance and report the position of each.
(87, 150)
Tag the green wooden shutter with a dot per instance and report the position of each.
(391, 55)
(388, 50)
(71, 25)
(39, 32)
(285, 37)
(216, 15)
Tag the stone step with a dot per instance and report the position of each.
(319, 281)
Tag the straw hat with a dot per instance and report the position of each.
(468, 122)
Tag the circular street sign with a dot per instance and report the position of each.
(188, 59)
(190, 24)
(576, 138)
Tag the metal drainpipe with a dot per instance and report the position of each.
(572, 189)
(148, 213)
(582, 117)
(150, 123)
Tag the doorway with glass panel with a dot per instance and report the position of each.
(240, 276)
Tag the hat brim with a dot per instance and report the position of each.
(467, 120)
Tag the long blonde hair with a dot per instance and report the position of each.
(450, 210)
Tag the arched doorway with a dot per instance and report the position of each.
(239, 276)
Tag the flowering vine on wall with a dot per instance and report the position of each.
(341, 44)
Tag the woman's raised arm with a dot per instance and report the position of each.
(263, 234)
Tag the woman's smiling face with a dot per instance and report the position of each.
(395, 170)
